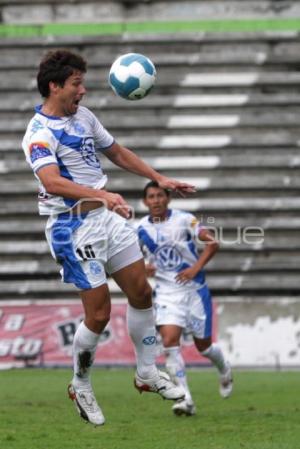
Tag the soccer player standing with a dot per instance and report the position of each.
(181, 299)
(87, 229)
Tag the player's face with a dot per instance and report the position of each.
(68, 97)
(157, 202)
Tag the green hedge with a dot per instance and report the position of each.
(60, 29)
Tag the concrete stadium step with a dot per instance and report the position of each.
(42, 12)
(204, 140)
(186, 77)
(25, 102)
(29, 267)
(276, 261)
(19, 248)
(261, 205)
(261, 262)
(176, 53)
(231, 204)
(210, 172)
(174, 141)
(35, 226)
(220, 180)
(217, 140)
(254, 117)
(249, 283)
(221, 76)
(251, 239)
(13, 162)
(254, 282)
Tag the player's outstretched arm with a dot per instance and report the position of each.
(55, 184)
(125, 158)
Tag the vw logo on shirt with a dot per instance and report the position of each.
(168, 258)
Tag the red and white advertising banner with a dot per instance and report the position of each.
(41, 334)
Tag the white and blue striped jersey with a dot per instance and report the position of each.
(170, 246)
(70, 142)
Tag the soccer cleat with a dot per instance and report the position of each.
(160, 384)
(86, 404)
(226, 383)
(184, 407)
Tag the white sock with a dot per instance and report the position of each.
(141, 329)
(84, 348)
(175, 366)
(215, 354)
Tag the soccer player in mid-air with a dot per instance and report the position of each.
(87, 229)
(181, 297)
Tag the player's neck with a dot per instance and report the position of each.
(52, 109)
(161, 217)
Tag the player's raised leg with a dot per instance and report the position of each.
(132, 280)
(96, 303)
(201, 323)
(213, 352)
(175, 366)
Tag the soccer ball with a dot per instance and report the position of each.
(132, 76)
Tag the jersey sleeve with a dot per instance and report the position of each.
(103, 139)
(40, 149)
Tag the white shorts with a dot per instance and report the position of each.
(189, 309)
(89, 245)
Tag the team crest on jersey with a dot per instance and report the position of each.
(168, 258)
(78, 128)
(39, 150)
(36, 126)
(88, 153)
(95, 268)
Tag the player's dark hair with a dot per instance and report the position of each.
(155, 185)
(57, 66)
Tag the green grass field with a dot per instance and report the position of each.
(263, 413)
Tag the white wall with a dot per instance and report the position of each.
(261, 332)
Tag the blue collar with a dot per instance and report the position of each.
(38, 109)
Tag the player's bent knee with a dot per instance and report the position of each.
(102, 317)
(203, 344)
(143, 290)
(169, 342)
(98, 317)
(97, 322)
(141, 297)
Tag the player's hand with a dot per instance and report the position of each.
(186, 275)
(116, 203)
(182, 188)
(150, 270)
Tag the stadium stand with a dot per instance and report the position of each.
(81, 11)
(224, 115)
